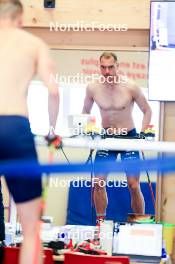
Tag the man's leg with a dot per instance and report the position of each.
(27, 190)
(137, 199)
(100, 197)
(99, 183)
(27, 196)
(29, 215)
(2, 225)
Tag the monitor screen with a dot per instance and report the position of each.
(162, 51)
(138, 239)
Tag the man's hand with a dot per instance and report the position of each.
(142, 135)
(149, 133)
(54, 141)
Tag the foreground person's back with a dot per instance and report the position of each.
(19, 62)
(21, 57)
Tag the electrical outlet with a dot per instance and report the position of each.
(49, 3)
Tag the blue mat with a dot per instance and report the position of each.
(80, 211)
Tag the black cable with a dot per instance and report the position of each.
(65, 155)
(149, 183)
(89, 159)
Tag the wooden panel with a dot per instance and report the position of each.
(94, 40)
(134, 13)
(168, 190)
(168, 180)
(169, 122)
(169, 108)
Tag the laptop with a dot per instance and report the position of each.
(141, 242)
(78, 123)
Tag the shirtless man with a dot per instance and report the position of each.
(22, 55)
(115, 98)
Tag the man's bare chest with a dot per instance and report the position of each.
(112, 100)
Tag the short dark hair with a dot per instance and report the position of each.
(10, 7)
(108, 55)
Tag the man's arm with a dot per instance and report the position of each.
(46, 69)
(88, 102)
(141, 101)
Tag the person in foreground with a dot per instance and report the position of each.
(22, 56)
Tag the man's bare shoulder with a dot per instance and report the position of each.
(131, 85)
(94, 85)
(30, 38)
(133, 89)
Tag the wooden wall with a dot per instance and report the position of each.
(115, 12)
(135, 13)
(95, 39)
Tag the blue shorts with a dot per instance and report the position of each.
(103, 156)
(17, 143)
